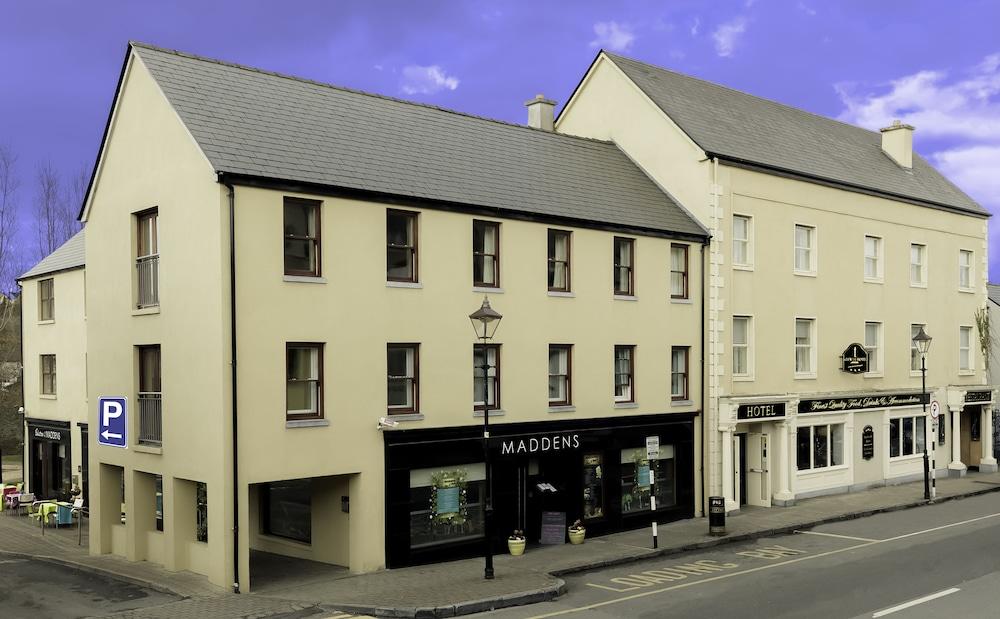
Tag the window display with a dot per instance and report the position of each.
(593, 486)
(446, 505)
(636, 472)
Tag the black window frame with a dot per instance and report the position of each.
(47, 299)
(686, 395)
(412, 246)
(568, 348)
(320, 412)
(414, 380)
(480, 226)
(477, 373)
(316, 240)
(629, 289)
(42, 373)
(685, 272)
(631, 373)
(551, 260)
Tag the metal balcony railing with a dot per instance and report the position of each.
(150, 418)
(148, 269)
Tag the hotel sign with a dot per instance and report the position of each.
(979, 396)
(855, 359)
(763, 410)
(852, 403)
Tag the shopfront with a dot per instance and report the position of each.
(546, 475)
(49, 463)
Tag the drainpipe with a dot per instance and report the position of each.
(704, 391)
(232, 332)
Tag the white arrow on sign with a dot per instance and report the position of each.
(108, 435)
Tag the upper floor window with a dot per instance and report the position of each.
(678, 271)
(624, 373)
(679, 373)
(873, 258)
(304, 380)
(965, 269)
(914, 352)
(805, 249)
(150, 396)
(560, 375)
(485, 254)
(46, 299)
(805, 351)
(741, 345)
(873, 345)
(559, 273)
(965, 349)
(918, 264)
(486, 389)
(302, 237)
(48, 374)
(623, 264)
(742, 247)
(403, 363)
(401, 246)
(147, 259)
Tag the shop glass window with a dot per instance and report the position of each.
(965, 269)
(287, 509)
(914, 352)
(965, 348)
(742, 255)
(624, 257)
(819, 447)
(678, 271)
(873, 344)
(560, 375)
(918, 264)
(159, 502)
(401, 246)
(636, 471)
(624, 373)
(485, 254)
(593, 486)
(558, 261)
(201, 511)
(48, 374)
(446, 504)
(403, 363)
(741, 346)
(679, 373)
(46, 299)
(486, 392)
(302, 237)
(304, 380)
(805, 252)
(804, 330)
(906, 436)
(873, 257)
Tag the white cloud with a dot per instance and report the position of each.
(427, 80)
(612, 35)
(727, 35)
(695, 25)
(805, 8)
(973, 168)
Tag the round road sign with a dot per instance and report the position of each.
(935, 409)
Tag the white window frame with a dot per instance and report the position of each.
(812, 347)
(921, 283)
(749, 346)
(812, 249)
(917, 453)
(915, 372)
(844, 448)
(971, 270)
(748, 241)
(878, 370)
(971, 369)
(879, 258)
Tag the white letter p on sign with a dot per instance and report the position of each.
(112, 410)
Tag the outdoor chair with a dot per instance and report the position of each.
(24, 502)
(79, 511)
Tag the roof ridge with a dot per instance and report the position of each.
(356, 91)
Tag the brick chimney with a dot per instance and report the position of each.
(897, 142)
(541, 112)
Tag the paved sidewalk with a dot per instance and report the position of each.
(457, 588)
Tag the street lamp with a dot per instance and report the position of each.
(922, 342)
(485, 321)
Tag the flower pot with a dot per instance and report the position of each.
(576, 535)
(516, 546)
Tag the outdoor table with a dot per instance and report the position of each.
(64, 513)
(45, 509)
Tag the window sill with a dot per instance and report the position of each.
(625, 297)
(143, 311)
(742, 267)
(487, 290)
(967, 290)
(148, 449)
(825, 469)
(625, 405)
(685, 402)
(874, 375)
(47, 322)
(874, 280)
(805, 273)
(304, 279)
(47, 396)
(915, 373)
(966, 372)
(682, 301)
(563, 408)
(746, 378)
(918, 285)
(494, 412)
(403, 285)
(559, 293)
(407, 417)
(809, 376)
(907, 458)
(306, 423)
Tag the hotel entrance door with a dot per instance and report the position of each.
(758, 470)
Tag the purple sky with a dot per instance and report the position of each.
(862, 61)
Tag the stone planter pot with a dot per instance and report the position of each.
(576, 535)
(516, 546)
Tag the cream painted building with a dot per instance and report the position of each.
(824, 235)
(281, 294)
(54, 335)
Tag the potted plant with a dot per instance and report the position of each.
(516, 543)
(577, 532)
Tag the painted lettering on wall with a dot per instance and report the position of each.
(536, 444)
(51, 435)
(827, 405)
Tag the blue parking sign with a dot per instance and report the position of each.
(112, 422)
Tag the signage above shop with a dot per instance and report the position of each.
(538, 444)
(762, 410)
(854, 360)
(47, 434)
(979, 396)
(851, 403)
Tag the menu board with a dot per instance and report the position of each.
(553, 528)
(447, 500)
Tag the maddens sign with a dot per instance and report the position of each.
(538, 444)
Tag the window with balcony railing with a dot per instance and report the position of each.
(150, 397)
(147, 261)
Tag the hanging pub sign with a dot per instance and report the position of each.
(761, 410)
(979, 396)
(854, 360)
(859, 402)
(868, 443)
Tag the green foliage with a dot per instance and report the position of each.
(985, 334)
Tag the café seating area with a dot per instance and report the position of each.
(48, 512)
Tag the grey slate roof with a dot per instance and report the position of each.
(737, 125)
(263, 124)
(993, 292)
(69, 255)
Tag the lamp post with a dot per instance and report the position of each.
(922, 342)
(485, 321)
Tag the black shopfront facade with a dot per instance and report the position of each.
(595, 470)
(50, 468)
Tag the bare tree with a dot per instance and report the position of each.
(11, 257)
(55, 215)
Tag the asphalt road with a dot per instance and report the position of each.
(935, 561)
(35, 589)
